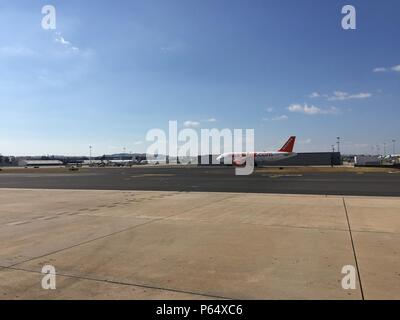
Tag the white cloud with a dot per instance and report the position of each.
(396, 68)
(67, 44)
(386, 69)
(314, 95)
(280, 118)
(362, 95)
(191, 124)
(277, 118)
(61, 40)
(303, 109)
(340, 95)
(306, 141)
(136, 143)
(380, 69)
(269, 109)
(311, 110)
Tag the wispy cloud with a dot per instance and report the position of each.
(396, 68)
(311, 109)
(306, 141)
(380, 69)
(67, 44)
(195, 124)
(270, 109)
(314, 95)
(277, 118)
(341, 95)
(387, 69)
(60, 39)
(191, 124)
(280, 118)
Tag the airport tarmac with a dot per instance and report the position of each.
(320, 181)
(197, 245)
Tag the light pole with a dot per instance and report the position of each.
(384, 149)
(338, 144)
(333, 148)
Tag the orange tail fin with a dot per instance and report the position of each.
(288, 146)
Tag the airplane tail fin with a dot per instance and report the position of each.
(288, 146)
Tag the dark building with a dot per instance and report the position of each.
(301, 159)
(310, 159)
(8, 161)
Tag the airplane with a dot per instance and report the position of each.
(394, 158)
(154, 161)
(120, 163)
(239, 159)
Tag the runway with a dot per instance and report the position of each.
(143, 238)
(209, 179)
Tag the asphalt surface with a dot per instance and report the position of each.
(210, 179)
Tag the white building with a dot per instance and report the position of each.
(40, 163)
(367, 160)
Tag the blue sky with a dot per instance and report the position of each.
(112, 70)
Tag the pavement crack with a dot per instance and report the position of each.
(354, 250)
(109, 235)
(82, 243)
(145, 286)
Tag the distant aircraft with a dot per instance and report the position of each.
(120, 163)
(154, 161)
(239, 159)
(394, 158)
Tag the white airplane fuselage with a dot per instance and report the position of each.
(240, 158)
(273, 156)
(259, 157)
